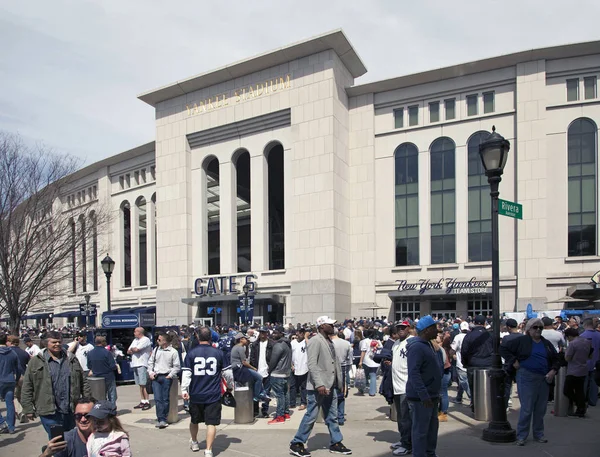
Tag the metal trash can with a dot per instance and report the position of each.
(244, 404)
(98, 387)
(482, 395)
(561, 402)
(393, 412)
(173, 415)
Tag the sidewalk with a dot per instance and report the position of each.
(368, 432)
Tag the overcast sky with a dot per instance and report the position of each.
(70, 70)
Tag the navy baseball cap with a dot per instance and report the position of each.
(103, 409)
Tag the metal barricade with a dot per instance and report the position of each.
(98, 387)
(561, 402)
(173, 415)
(244, 405)
(482, 395)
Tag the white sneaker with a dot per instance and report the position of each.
(401, 451)
(396, 445)
(208, 453)
(194, 446)
(509, 403)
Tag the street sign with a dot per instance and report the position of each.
(92, 309)
(510, 209)
(247, 314)
(120, 321)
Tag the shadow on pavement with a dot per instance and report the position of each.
(222, 443)
(385, 436)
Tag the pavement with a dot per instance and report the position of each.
(367, 431)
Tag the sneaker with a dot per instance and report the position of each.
(208, 453)
(456, 400)
(339, 448)
(287, 417)
(4, 429)
(162, 424)
(396, 445)
(520, 443)
(146, 407)
(277, 420)
(194, 446)
(541, 439)
(139, 406)
(510, 403)
(443, 417)
(298, 450)
(265, 398)
(401, 451)
(302, 408)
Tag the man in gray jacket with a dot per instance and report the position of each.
(280, 368)
(324, 381)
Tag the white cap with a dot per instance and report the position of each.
(464, 326)
(325, 320)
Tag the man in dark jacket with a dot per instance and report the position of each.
(280, 369)
(425, 368)
(10, 372)
(477, 350)
(102, 363)
(13, 343)
(260, 355)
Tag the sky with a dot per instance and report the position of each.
(71, 70)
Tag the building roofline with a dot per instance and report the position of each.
(478, 66)
(335, 40)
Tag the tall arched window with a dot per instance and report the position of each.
(142, 241)
(480, 211)
(73, 255)
(213, 216)
(242, 169)
(126, 234)
(582, 154)
(443, 196)
(94, 255)
(276, 194)
(154, 243)
(83, 262)
(406, 165)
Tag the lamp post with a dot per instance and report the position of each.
(494, 153)
(246, 289)
(87, 309)
(108, 265)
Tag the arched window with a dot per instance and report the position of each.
(276, 195)
(142, 241)
(242, 169)
(126, 237)
(94, 226)
(154, 242)
(443, 196)
(83, 247)
(582, 154)
(213, 215)
(406, 165)
(480, 210)
(73, 255)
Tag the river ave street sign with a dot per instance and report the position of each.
(510, 209)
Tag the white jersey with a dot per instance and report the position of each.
(299, 357)
(456, 347)
(81, 353)
(33, 350)
(400, 366)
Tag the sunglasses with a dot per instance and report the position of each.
(80, 416)
(537, 327)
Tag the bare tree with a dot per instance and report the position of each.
(38, 237)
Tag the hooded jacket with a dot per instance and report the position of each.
(477, 348)
(37, 395)
(117, 444)
(280, 363)
(10, 368)
(425, 368)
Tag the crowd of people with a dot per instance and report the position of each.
(310, 367)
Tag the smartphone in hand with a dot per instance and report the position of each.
(57, 430)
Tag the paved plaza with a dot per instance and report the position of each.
(368, 432)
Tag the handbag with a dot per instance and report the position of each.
(360, 380)
(228, 400)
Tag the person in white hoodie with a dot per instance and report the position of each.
(399, 379)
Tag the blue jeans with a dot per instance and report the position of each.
(533, 395)
(7, 391)
(161, 387)
(257, 382)
(341, 406)
(111, 390)
(66, 420)
(279, 387)
(404, 420)
(371, 375)
(299, 384)
(463, 384)
(591, 389)
(329, 405)
(424, 432)
(444, 402)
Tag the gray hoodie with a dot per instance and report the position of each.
(280, 364)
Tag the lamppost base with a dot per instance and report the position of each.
(499, 432)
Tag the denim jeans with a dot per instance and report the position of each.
(329, 405)
(280, 390)
(591, 389)
(257, 385)
(463, 384)
(371, 375)
(66, 420)
(404, 421)
(533, 395)
(161, 387)
(111, 390)
(424, 431)
(341, 406)
(7, 391)
(444, 402)
(299, 384)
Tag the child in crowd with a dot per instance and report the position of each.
(108, 439)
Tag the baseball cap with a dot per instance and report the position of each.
(239, 335)
(425, 322)
(455, 326)
(479, 319)
(325, 320)
(512, 323)
(546, 321)
(404, 323)
(263, 329)
(464, 325)
(102, 409)
(26, 339)
(279, 328)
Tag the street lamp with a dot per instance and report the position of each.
(87, 309)
(494, 153)
(108, 265)
(246, 289)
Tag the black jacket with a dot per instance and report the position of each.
(520, 349)
(255, 349)
(477, 348)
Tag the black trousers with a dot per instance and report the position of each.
(574, 390)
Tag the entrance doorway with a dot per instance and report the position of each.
(443, 309)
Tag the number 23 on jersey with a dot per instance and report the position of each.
(205, 366)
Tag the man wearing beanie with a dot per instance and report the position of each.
(536, 363)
